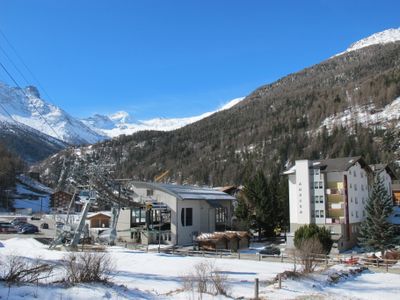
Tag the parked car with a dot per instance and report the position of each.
(20, 219)
(6, 227)
(270, 250)
(17, 222)
(44, 226)
(37, 218)
(28, 228)
(59, 225)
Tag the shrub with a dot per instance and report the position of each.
(87, 267)
(314, 232)
(17, 269)
(206, 278)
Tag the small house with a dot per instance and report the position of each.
(99, 220)
(174, 214)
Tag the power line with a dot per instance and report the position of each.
(14, 65)
(25, 65)
(34, 106)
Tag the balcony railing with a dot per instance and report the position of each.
(339, 220)
(339, 205)
(334, 191)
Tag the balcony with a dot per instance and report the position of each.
(335, 198)
(334, 191)
(339, 220)
(335, 213)
(339, 205)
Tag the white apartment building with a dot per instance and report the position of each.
(330, 193)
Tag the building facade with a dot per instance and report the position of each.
(60, 201)
(331, 193)
(173, 214)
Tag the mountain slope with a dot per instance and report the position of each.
(121, 123)
(26, 107)
(272, 126)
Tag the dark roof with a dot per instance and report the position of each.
(334, 164)
(377, 168)
(339, 164)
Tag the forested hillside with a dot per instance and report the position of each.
(10, 165)
(274, 125)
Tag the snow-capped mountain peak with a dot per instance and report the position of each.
(24, 106)
(387, 36)
(121, 117)
(121, 122)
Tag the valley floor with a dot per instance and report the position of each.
(140, 275)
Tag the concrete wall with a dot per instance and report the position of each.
(124, 224)
(357, 186)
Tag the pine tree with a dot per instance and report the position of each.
(376, 233)
(258, 194)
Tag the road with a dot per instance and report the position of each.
(46, 233)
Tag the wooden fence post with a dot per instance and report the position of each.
(279, 280)
(256, 287)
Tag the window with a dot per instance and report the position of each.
(352, 214)
(149, 192)
(321, 213)
(320, 185)
(356, 214)
(187, 216)
(363, 213)
(362, 187)
(351, 200)
(355, 187)
(362, 174)
(220, 215)
(351, 185)
(354, 173)
(321, 199)
(363, 201)
(317, 213)
(356, 200)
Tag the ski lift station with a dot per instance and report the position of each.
(173, 214)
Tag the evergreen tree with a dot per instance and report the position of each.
(376, 233)
(242, 213)
(282, 195)
(258, 194)
(313, 231)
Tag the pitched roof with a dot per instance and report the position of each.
(104, 213)
(340, 164)
(333, 164)
(185, 192)
(377, 168)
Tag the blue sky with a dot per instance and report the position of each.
(175, 58)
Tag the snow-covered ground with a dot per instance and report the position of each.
(140, 275)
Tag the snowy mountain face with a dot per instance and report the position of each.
(387, 36)
(121, 123)
(27, 108)
(366, 115)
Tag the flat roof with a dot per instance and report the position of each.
(185, 192)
